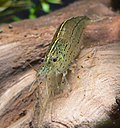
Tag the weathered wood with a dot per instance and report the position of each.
(95, 81)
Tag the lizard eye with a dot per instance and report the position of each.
(54, 59)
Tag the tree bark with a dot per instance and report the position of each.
(94, 99)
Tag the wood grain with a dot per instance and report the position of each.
(95, 79)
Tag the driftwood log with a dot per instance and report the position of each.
(94, 99)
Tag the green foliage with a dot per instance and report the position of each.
(46, 6)
(9, 8)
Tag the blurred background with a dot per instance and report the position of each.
(16, 10)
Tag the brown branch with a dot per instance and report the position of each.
(95, 81)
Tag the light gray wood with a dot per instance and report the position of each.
(95, 76)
